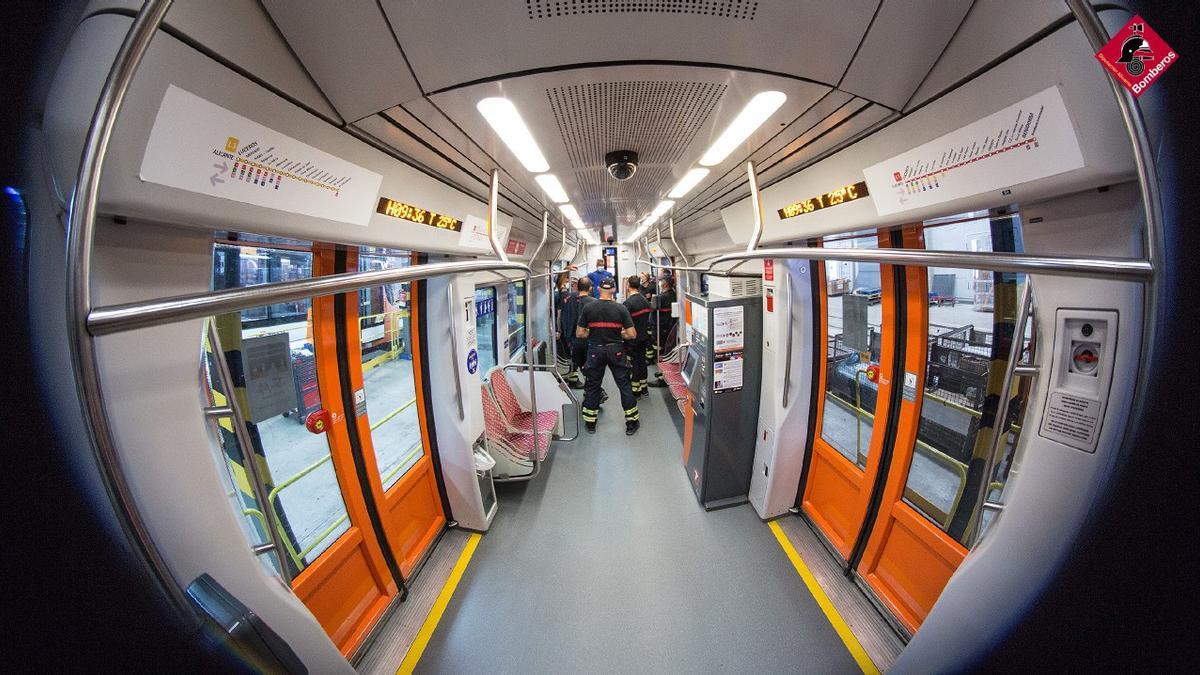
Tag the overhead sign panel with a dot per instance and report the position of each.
(1027, 141)
(416, 214)
(198, 146)
(841, 195)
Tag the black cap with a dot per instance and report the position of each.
(608, 282)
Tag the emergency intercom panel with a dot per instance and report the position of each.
(1085, 342)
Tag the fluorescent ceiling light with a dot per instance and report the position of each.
(553, 189)
(663, 206)
(689, 181)
(504, 118)
(572, 215)
(752, 116)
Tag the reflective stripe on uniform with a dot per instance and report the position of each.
(589, 415)
(605, 324)
(631, 415)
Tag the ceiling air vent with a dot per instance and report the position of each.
(725, 9)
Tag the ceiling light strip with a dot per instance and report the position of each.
(761, 107)
(502, 115)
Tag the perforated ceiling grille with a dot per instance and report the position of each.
(657, 120)
(728, 9)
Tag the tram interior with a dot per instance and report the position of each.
(908, 300)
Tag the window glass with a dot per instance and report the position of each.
(389, 382)
(515, 293)
(275, 357)
(968, 309)
(485, 328)
(234, 480)
(854, 295)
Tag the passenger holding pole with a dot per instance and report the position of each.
(606, 325)
(639, 309)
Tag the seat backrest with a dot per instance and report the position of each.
(493, 422)
(510, 407)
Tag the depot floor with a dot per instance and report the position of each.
(606, 563)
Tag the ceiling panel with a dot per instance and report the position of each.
(905, 40)
(822, 109)
(452, 42)
(349, 50)
(991, 28)
(668, 114)
(832, 133)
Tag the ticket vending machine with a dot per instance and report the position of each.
(722, 368)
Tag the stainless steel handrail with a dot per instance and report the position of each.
(1135, 124)
(671, 224)
(452, 307)
(1000, 425)
(81, 224)
(787, 351)
(249, 457)
(493, 221)
(562, 384)
(756, 206)
(140, 314)
(1120, 269)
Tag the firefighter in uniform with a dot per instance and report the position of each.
(568, 319)
(606, 325)
(639, 310)
(663, 324)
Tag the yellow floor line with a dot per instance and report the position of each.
(852, 644)
(439, 607)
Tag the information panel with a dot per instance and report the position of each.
(198, 146)
(1027, 141)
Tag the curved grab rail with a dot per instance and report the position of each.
(562, 384)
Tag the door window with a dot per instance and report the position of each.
(272, 352)
(854, 318)
(485, 328)
(515, 296)
(971, 314)
(389, 381)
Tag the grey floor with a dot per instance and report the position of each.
(606, 563)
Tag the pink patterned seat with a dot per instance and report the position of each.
(669, 367)
(518, 419)
(520, 445)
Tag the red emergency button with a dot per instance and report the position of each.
(317, 421)
(872, 373)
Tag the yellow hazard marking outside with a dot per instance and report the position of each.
(439, 607)
(839, 625)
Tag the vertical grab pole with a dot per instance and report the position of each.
(1000, 426)
(452, 305)
(249, 457)
(81, 231)
(756, 204)
(493, 221)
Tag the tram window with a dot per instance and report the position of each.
(485, 328)
(854, 316)
(967, 309)
(298, 467)
(389, 382)
(233, 475)
(516, 319)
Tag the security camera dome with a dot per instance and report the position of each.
(622, 164)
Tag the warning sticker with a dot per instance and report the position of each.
(198, 146)
(1071, 420)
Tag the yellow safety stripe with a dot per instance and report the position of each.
(417, 648)
(839, 624)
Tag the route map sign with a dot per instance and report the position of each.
(1027, 141)
(198, 146)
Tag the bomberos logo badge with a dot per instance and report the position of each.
(1137, 56)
